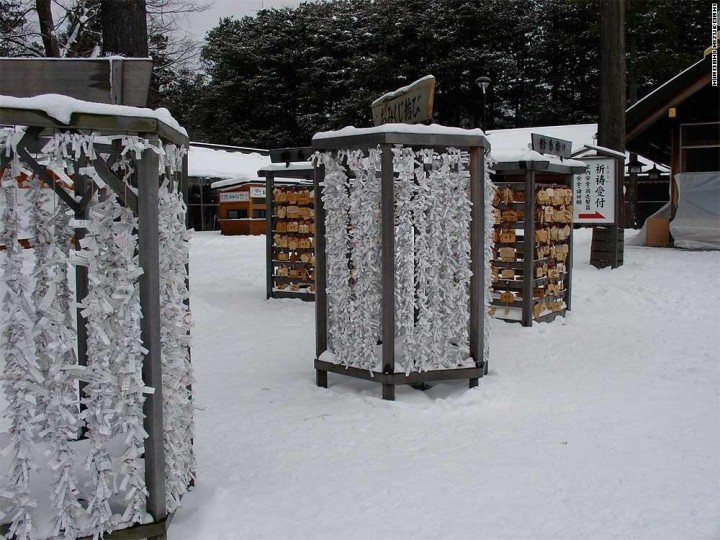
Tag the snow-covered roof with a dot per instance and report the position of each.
(292, 166)
(508, 143)
(61, 108)
(515, 156)
(504, 140)
(230, 183)
(415, 129)
(234, 166)
(660, 89)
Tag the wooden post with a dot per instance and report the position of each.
(477, 259)
(569, 261)
(148, 239)
(528, 246)
(320, 274)
(185, 188)
(116, 81)
(611, 122)
(81, 287)
(387, 217)
(269, 210)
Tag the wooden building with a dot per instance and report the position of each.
(678, 124)
(210, 164)
(241, 206)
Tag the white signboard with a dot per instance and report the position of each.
(594, 192)
(257, 192)
(234, 196)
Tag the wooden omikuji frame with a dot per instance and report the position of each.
(524, 174)
(145, 206)
(476, 146)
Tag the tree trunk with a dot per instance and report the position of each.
(47, 28)
(611, 122)
(124, 28)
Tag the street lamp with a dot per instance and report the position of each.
(483, 82)
(634, 166)
(654, 173)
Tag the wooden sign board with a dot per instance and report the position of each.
(594, 191)
(550, 145)
(407, 105)
(118, 81)
(235, 196)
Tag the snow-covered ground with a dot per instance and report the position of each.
(601, 425)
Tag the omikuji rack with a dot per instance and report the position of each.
(386, 139)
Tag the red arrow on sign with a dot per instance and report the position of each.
(596, 215)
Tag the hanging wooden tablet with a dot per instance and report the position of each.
(507, 254)
(538, 309)
(508, 236)
(542, 196)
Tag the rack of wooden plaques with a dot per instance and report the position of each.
(533, 233)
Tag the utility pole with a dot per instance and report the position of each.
(611, 122)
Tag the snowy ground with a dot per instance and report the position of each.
(601, 425)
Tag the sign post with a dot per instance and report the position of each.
(594, 191)
(407, 105)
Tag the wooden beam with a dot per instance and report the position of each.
(387, 218)
(269, 210)
(126, 195)
(148, 184)
(662, 111)
(321, 338)
(477, 256)
(95, 122)
(39, 170)
(82, 287)
(528, 265)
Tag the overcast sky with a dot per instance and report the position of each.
(199, 23)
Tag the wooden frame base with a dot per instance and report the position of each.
(152, 531)
(545, 318)
(389, 380)
(307, 297)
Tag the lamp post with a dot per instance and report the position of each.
(483, 82)
(654, 173)
(634, 168)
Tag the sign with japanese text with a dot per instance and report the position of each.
(550, 145)
(594, 191)
(235, 196)
(257, 192)
(407, 105)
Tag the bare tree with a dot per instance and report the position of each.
(47, 28)
(70, 28)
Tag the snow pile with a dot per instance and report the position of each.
(598, 425)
